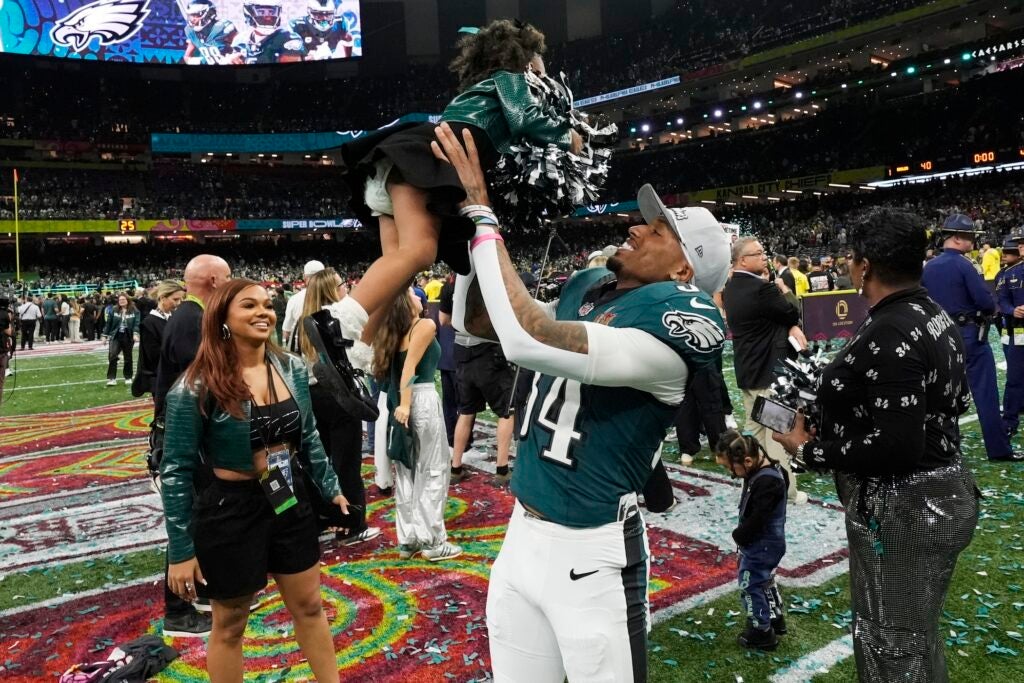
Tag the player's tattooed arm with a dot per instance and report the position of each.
(569, 336)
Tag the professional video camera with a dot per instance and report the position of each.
(794, 390)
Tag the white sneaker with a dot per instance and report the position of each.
(111, 382)
(685, 459)
(445, 551)
(670, 435)
(407, 552)
(799, 499)
(730, 422)
(364, 535)
(127, 381)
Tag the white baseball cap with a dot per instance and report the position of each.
(704, 240)
(312, 268)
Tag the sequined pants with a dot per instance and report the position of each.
(421, 494)
(905, 534)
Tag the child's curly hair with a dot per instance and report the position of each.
(734, 447)
(502, 45)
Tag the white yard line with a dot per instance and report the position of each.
(68, 597)
(62, 384)
(817, 662)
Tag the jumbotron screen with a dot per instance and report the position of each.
(213, 32)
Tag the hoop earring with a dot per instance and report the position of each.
(225, 332)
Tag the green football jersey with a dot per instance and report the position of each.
(586, 446)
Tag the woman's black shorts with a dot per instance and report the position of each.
(239, 539)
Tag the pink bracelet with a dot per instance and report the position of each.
(477, 241)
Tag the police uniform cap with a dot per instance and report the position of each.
(1012, 243)
(959, 223)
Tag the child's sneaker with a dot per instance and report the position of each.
(756, 639)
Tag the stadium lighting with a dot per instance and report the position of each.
(743, 108)
(645, 128)
(749, 196)
(757, 104)
(703, 201)
(209, 154)
(260, 156)
(894, 74)
(966, 56)
(947, 60)
(718, 113)
(798, 95)
(679, 121)
(911, 69)
(838, 185)
(633, 129)
(843, 86)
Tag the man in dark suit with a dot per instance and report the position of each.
(762, 322)
(782, 271)
(203, 274)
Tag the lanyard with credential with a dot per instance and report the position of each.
(276, 480)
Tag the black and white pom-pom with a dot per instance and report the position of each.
(533, 183)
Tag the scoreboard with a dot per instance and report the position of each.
(973, 158)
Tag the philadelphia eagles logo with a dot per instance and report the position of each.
(111, 21)
(700, 334)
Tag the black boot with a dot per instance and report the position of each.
(334, 372)
(756, 639)
(779, 625)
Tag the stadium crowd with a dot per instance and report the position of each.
(980, 114)
(688, 37)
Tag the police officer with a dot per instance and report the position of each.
(1010, 301)
(953, 282)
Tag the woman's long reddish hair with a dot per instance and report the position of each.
(216, 367)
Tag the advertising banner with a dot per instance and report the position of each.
(221, 143)
(200, 32)
(832, 315)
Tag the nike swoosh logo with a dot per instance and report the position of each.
(696, 303)
(576, 577)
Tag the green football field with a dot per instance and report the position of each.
(983, 622)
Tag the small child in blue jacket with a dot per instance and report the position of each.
(760, 535)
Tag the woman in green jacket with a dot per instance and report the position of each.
(122, 324)
(239, 421)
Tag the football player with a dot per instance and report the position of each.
(209, 40)
(268, 42)
(323, 32)
(568, 591)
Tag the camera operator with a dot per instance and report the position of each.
(890, 403)
(6, 340)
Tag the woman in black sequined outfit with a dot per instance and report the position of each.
(890, 403)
